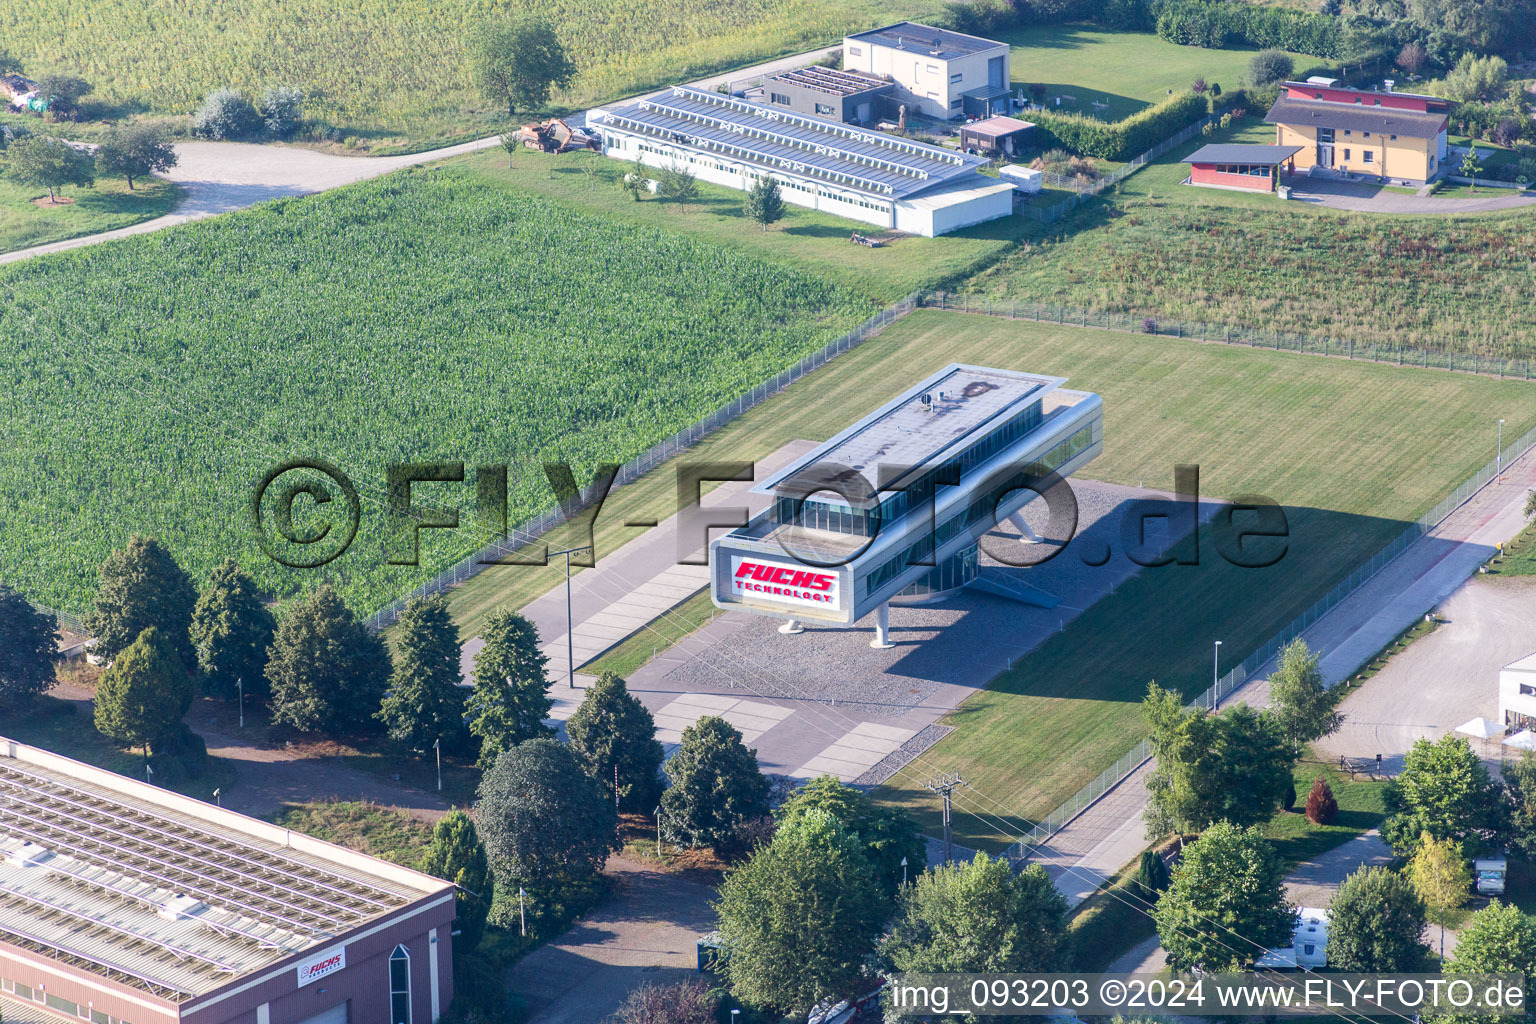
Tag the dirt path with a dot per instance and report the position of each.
(646, 934)
(270, 776)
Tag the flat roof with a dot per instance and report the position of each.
(165, 894)
(855, 158)
(1234, 153)
(1338, 86)
(997, 126)
(833, 81)
(1419, 124)
(912, 37)
(964, 403)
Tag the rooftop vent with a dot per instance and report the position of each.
(28, 855)
(180, 907)
(1387, 84)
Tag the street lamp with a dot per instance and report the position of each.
(1499, 458)
(437, 746)
(1215, 670)
(570, 647)
(216, 801)
(240, 686)
(658, 830)
(903, 871)
(522, 912)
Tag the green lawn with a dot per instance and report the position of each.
(1155, 247)
(645, 644)
(1322, 437)
(1086, 64)
(1361, 809)
(107, 206)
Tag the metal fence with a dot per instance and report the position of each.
(530, 531)
(1085, 189)
(1236, 677)
(1233, 334)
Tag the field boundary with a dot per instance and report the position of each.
(1233, 334)
(531, 530)
(1139, 755)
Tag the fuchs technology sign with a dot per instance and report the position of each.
(785, 583)
(329, 962)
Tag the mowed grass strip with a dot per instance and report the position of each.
(423, 317)
(24, 221)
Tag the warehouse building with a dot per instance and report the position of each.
(123, 903)
(1387, 136)
(893, 508)
(850, 96)
(939, 73)
(841, 169)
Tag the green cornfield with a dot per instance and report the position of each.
(422, 317)
(383, 68)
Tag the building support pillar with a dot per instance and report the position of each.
(791, 627)
(1030, 536)
(882, 638)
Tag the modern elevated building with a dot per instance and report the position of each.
(939, 73)
(841, 169)
(124, 903)
(893, 507)
(1389, 136)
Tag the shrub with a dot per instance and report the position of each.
(1322, 808)
(1148, 325)
(282, 109)
(1288, 799)
(225, 115)
(1270, 66)
(1225, 26)
(686, 1002)
(1198, 85)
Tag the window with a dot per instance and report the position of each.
(956, 103)
(1527, 690)
(824, 109)
(779, 98)
(1359, 100)
(1308, 949)
(400, 986)
(1378, 102)
(1366, 134)
(933, 69)
(1369, 156)
(856, 51)
(1319, 95)
(1392, 137)
(955, 79)
(1346, 154)
(1348, 132)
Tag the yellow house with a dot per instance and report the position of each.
(1386, 136)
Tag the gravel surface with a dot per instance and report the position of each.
(903, 755)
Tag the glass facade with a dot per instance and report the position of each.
(954, 572)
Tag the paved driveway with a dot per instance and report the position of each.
(1366, 198)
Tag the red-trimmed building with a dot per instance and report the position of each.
(1384, 135)
(1244, 168)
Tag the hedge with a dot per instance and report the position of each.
(1118, 140)
(1220, 25)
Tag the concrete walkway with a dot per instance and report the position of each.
(1105, 837)
(1368, 198)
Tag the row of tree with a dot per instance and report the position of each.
(129, 151)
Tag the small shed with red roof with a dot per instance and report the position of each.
(1246, 168)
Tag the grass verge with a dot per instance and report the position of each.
(106, 207)
(656, 637)
(383, 832)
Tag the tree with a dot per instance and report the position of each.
(1235, 766)
(517, 63)
(327, 671)
(424, 705)
(232, 630)
(542, 818)
(686, 1002)
(455, 854)
(225, 115)
(614, 737)
(62, 93)
(678, 184)
(511, 696)
(716, 785)
(134, 151)
(1471, 166)
(634, 180)
(1412, 58)
(511, 142)
(1374, 923)
(887, 834)
(1152, 875)
(39, 161)
(1529, 508)
(1499, 939)
(1443, 790)
(141, 698)
(1198, 86)
(1269, 66)
(1227, 902)
(1520, 787)
(1322, 808)
(141, 586)
(29, 647)
(979, 917)
(1439, 875)
(8, 63)
(1301, 702)
(800, 917)
(1477, 78)
(281, 110)
(765, 202)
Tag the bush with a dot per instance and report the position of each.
(1148, 325)
(282, 110)
(686, 1002)
(1120, 140)
(1322, 808)
(225, 115)
(1270, 66)
(1288, 799)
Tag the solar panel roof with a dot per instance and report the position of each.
(861, 160)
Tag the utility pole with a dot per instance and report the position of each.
(1215, 672)
(944, 785)
(658, 830)
(437, 746)
(570, 646)
(522, 912)
(240, 686)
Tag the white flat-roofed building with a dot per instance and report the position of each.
(940, 73)
(1517, 695)
(124, 903)
(894, 506)
(837, 168)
